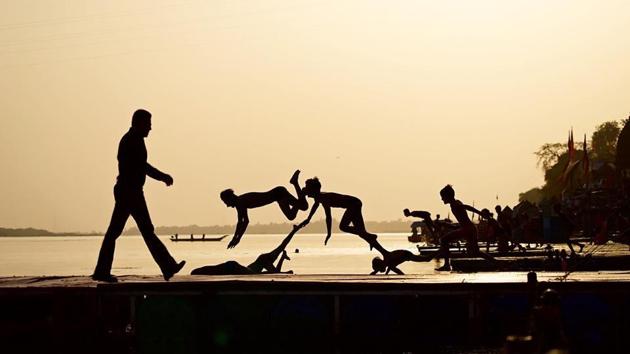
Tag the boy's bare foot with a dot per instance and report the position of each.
(294, 178)
(285, 256)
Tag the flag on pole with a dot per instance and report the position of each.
(585, 161)
(571, 157)
(571, 146)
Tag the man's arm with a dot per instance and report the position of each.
(328, 223)
(310, 215)
(159, 175)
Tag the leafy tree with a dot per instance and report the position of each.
(549, 154)
(604, 141)
(553, 159)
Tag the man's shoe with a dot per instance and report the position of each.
(169, 274)
(108, 278)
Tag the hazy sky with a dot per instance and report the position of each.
(384, 100)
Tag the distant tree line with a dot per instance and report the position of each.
(315, 227)
(29, 231)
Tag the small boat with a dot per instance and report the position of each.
(192, 238)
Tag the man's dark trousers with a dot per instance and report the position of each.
(130, 201)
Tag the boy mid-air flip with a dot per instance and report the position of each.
(467, 230)
(262, 264)
(287, 202)
(352, 219)
(426, 218)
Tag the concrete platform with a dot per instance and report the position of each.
(446, 312)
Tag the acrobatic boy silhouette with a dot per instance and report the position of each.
(287, 203)
(424, 215)
(262, 264)
(467, 230)
(328, 200)
(391, 260)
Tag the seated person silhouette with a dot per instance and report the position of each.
(288, 204)
(467, 230)
(391, 260)
(352, 219)
(495, 233)
(262, 264)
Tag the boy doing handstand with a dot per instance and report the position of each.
(262, 264)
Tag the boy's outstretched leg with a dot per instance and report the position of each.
(354, 217)
(302, 204)
(445, 251)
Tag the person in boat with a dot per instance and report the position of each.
(280, 195)
(352, 219)
(391, 260)
(263, 264)
(494, 232)
(466, 230)
(503, 219)
(498, 233)
(568, 226)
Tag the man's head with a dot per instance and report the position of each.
(228, 197)
(312, 186)
(485, 213)
(497, 209)
(141, 122)
(378, 265)
(448, 194)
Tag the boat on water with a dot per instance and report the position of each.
(192, 238)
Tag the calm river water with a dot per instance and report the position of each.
(76, 255)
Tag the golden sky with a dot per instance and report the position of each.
(384, 100)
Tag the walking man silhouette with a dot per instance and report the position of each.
(129, 196)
